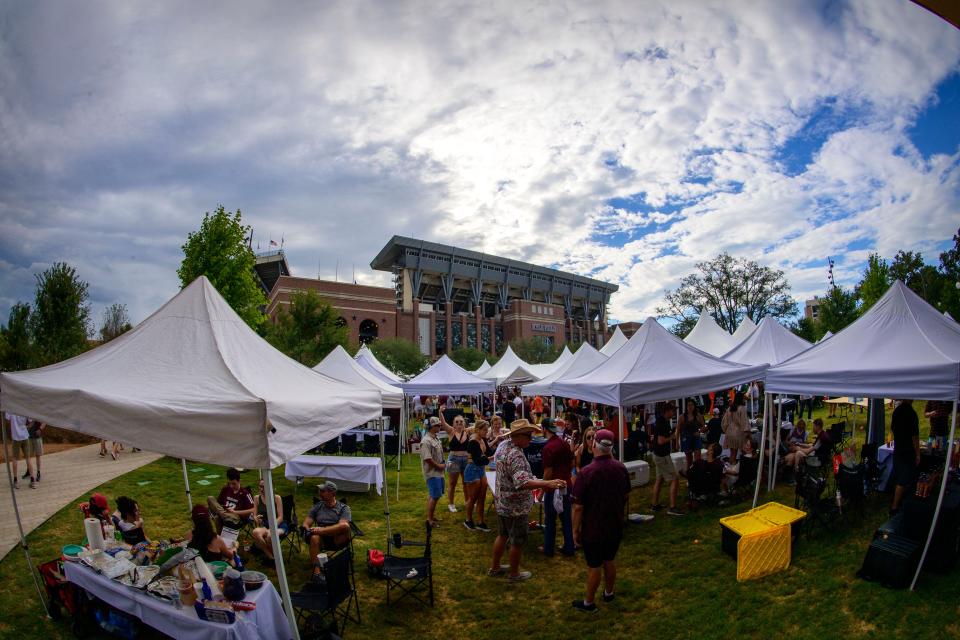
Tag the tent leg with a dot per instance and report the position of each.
(621, 422)
(763, 436)
(553, 407)
(399, 431)
(16, 511)
(278, 552)
(186, 483)
(777, 426)
(776, 457)
(386, 499)
(943, 489)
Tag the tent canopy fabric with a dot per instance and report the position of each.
(483, 367)
(709, 337)
(770, 343)
(747, 326)
(446, 377)
(368, 361)
(543, 370)
(901, 348)
(584, 360)
(193, 381)
(510, 368)
(341, 367)
(824, 336)
(616, 341)
(655, 365)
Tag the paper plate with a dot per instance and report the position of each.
(72, 552)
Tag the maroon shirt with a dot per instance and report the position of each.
(237, 500)
(557, 455)
(602, 487)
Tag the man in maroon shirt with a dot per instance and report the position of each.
(557, 465)
(599, 503)
(234, 505)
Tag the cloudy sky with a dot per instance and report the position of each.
(625, 141)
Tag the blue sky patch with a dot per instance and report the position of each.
(830, 117)
(937, 129)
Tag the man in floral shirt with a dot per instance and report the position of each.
(514, 500)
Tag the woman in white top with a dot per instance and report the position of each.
(735, 426)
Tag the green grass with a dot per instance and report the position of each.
(674, 581)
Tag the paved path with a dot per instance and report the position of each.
(66, 476)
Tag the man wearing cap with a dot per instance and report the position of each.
(431, 457)
(662, 434)
(599, 502)
(328, 523)
(557, 464)
(515, 481)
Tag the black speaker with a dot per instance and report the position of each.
(891, 560)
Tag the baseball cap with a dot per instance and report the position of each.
(548, 425)
(434, 421)
(200, 511)
(329, 485)
(605, 437)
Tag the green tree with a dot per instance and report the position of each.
(950, 272)
(308, 329)
(18, 346)
(116, 322)
(399, 355)
(468, 357)
(922, 278)
(837, 309)
(535, 350)
(806, 329)
(728, 288)
(220, 251)
(60, 320)
(875, 282)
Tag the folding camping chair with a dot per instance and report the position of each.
(820, 510)
(335, 597)
(406, 574)
(868, 460)
(294, 537)
(348, 444)
(331, 448)
(371, 445)
(391, 447)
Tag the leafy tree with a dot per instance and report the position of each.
(18, 347)
(116, 322)
(837, 310)
(876, 280)
(922, 278)
(728, 288)
(399, 355)
(219, 250)
(308, 329)
(468, 357)
(806, 329)
(950, 271)
(535, 350)
(60, 320)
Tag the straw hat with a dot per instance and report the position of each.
(522, 426)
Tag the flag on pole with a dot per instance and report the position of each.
(273, 243)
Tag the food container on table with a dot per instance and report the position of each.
(215, 611)
(253, 579)
(72, 552)
(233, 585)
(188, 593)
(217, 567)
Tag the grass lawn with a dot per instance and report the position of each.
(674, 581)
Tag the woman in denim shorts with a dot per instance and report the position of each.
(475, 477)
(457, 460)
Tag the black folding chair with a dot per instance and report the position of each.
(331, 448)
(836, 433)
(821, 510)
(868, 460)
(409, 575)
(334, 598)
(294, 537)
(371, 445)
(391, 447)
(852, 485)
(348, 444)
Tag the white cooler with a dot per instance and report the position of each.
(639, 472)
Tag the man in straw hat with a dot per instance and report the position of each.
(513, 500)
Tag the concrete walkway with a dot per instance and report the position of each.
(65, 476)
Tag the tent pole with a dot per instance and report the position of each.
(186, 483)
(776, 458)
(763, 435)
(778, 423)
(16, 511)
(621, 422)
(399, 432)
(553, 407)
(943, 490)
(278, 551)
(386, 499)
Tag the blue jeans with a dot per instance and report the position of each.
(550, 526)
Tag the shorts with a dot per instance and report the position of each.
(514, 528)
(665, 468)
(904, 473)
(456, 463)
(435, 487)
(596, 553)
(36, 446)
(690, 443)
(733, 440)
(21, 445)
(472, 473)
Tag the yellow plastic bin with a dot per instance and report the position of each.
(778, 514)
(733, 528)
(764, 552)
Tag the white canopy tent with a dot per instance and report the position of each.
(446, 377)
(655, 365)
(194, 381)
(828, 334)
(616, 341)
(339, 366)
(483, 367)
(770, 343)
(585, 359)
(747, 326)
(543, 370)
(901, 348)
(368, 361)
(510, 369)
(709, 337)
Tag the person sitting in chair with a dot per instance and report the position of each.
(234, 506)
(128, 520)
(705, 476)
(820, 447)
(261, 534)
(798, 436)
(327, 526)
(204, 539)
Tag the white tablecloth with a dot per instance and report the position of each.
(885, 463)
(362, 433)
(355, 469)
(266, 621)
(492, 482)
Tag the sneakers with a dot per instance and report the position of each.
(673, 511)
(25, 476)
(657, 507)
(608, 597)
(452, 508)
(469, 525)
(482, 526)
(520, 577)
(33, 483)
(493, 573)
(38, 476)
(580, 605)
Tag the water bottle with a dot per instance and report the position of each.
(237, 562)
(205, 590)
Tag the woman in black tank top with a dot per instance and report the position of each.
(457, 461)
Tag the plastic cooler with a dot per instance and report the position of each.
(778, 514)
(732, 528)
(639, 472)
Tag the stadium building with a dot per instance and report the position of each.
(445, 297)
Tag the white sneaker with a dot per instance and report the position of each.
(452, 507)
